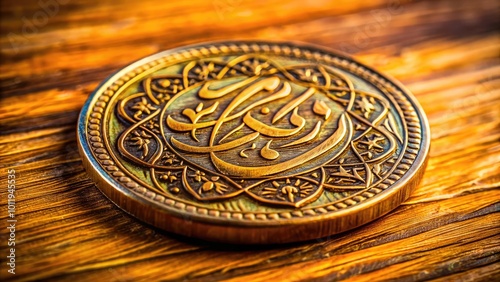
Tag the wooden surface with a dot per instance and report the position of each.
(445, 52)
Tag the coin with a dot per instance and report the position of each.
(253, 142)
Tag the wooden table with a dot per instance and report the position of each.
(53, 56)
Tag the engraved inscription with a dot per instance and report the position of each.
(251, 126)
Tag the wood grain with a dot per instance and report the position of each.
(446, 52)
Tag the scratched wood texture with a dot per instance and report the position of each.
(445, 52)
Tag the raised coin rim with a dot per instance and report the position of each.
(231, 230)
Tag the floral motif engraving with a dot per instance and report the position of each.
(250, 126)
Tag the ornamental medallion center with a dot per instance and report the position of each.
(280, 133)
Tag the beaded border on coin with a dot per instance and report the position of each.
(248, 227)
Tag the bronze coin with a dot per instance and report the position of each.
(253, 142)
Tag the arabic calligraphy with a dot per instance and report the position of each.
(274, 90)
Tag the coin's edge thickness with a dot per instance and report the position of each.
(229, 230)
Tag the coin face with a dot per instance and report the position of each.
(253, 142)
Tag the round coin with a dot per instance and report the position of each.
(253, 142)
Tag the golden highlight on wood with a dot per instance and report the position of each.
(445, 52)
